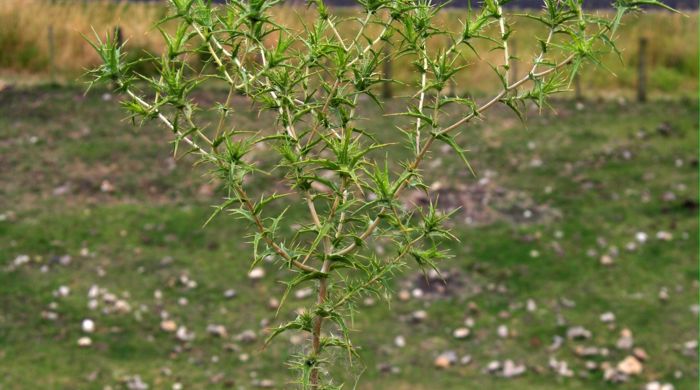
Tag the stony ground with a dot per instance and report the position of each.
(577, 266)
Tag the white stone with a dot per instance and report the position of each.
(93, 292)
(49, 315)
(640, 354)
(626, 341)
(400, 341)
(531, 306)
(106, 186)
(578, 333)
(109, 298)
(560, 367)
(691, 346)
(557, 342)
(183, 334)
(641, 237)
(64, 260)
(461, 333)
(606, 260)
(256, 273)
(695, 309)
(630, 366)
(168, 326)
(419, 315)
(653, 386)
(88, 325)
(607, 317)
(303, 293)
(510, 369)
(122, 306)
(20, 260)
(266, 383)
(136, 383)
(493, 366)
(664, 236)
(217, 330)
(62, 291)
(84, 342)
(445, 359)
(247, 336)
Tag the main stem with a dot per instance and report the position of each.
(318, 324)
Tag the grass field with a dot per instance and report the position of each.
(28, 57)
(550, 200)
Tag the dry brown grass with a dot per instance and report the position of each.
(25, 24)
(24, 43)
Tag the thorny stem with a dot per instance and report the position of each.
(168, 124)
(336, 33)
(318, 323)
(504, 39)
(289, 89)
(421, 155)
(241, 193)
(530, 76)
(261, 228)
(377, 277)
(224, 109)
(323, 282)
(213, 52)
(424, 71)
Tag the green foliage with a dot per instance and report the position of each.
(311, 81)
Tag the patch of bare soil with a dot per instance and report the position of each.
(482, 203)
(448, 283)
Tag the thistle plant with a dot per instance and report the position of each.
(312, 81)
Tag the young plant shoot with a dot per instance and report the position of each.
(314, 81)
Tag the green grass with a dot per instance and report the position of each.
(156, 211)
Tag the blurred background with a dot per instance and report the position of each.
(576, 268)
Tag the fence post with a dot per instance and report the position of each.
(52, 61)
(118, 36)
(386, 86)
(642, 75)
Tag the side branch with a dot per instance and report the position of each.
(421, 155)
(261, 228)
(241, 193)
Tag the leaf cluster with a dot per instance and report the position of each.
(312, 80)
